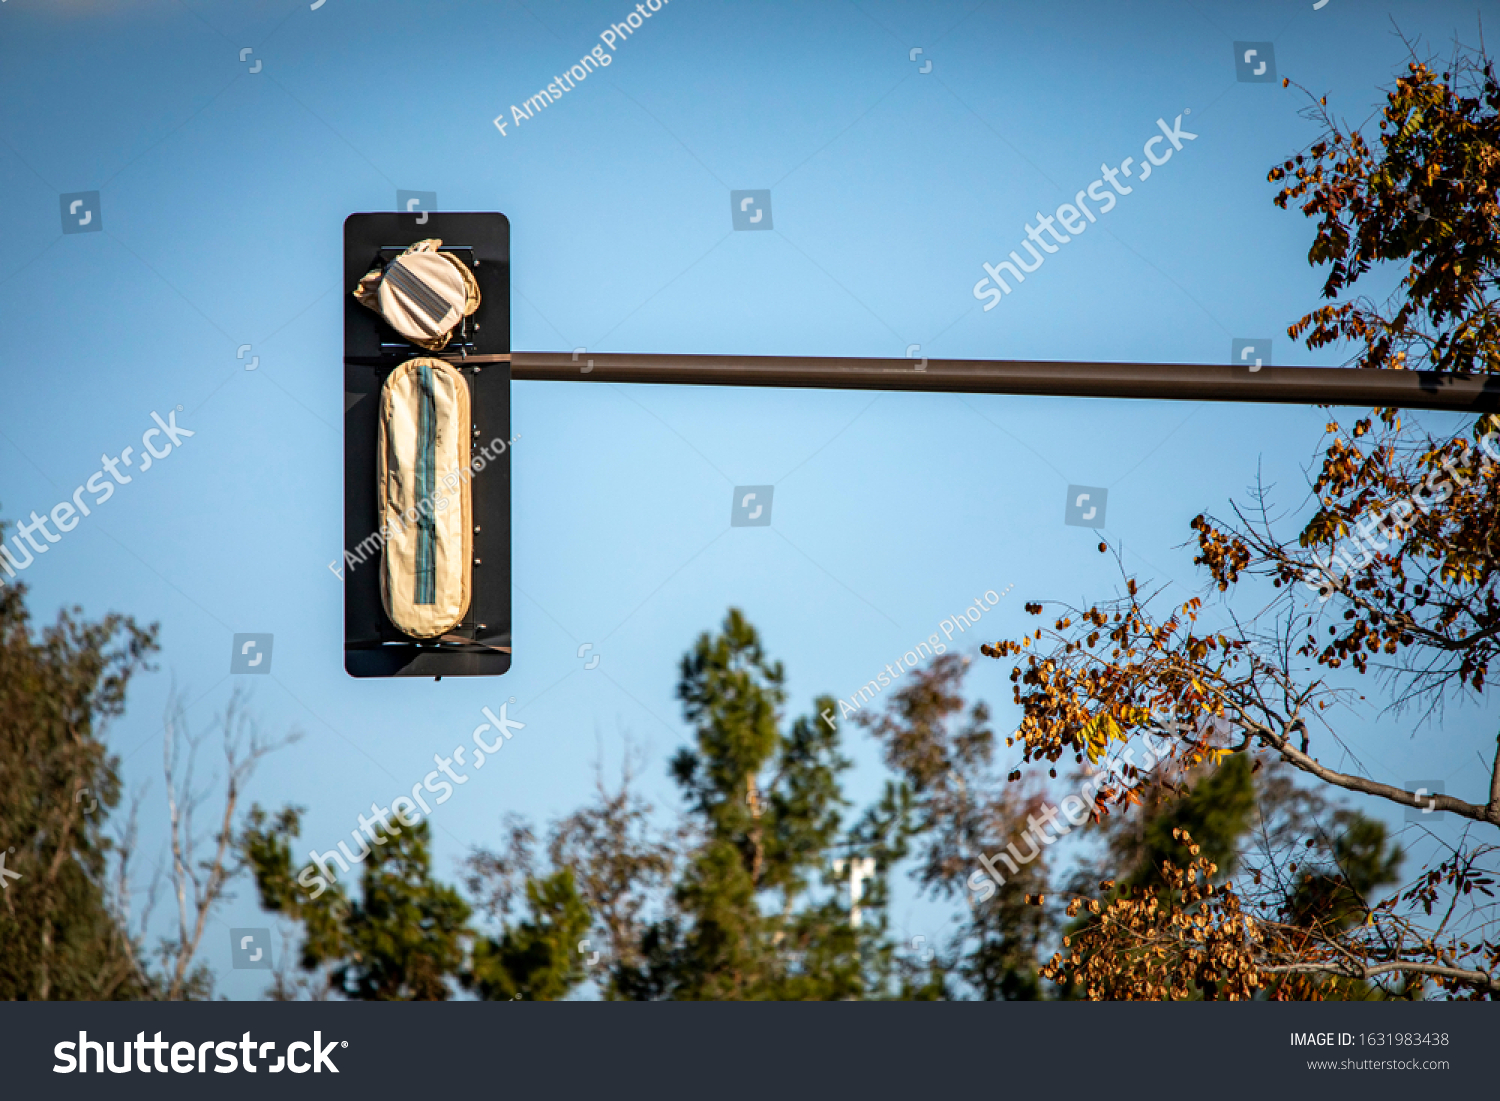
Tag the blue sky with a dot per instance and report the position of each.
(223, 194)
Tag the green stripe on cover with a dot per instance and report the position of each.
(426, 473)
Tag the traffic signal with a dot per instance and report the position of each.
(427, 445)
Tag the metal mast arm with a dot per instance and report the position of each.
(1160, 381)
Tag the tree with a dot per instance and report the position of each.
(198, 884)
(63, 934)
(745, 919)
(65, 915)
(539, 958)
(1216, 811)
(954, 810)
(616, 866)
(404, 939)
(1416, 605)
(1310, 865)
(746, 901)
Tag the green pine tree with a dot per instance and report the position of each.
(405, 938)
(539, 958)
(756, 912)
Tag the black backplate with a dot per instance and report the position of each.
(373, 647)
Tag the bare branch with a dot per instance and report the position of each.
(199, 884)
(1282, 744)
(1355, 970)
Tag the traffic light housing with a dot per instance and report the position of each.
(479, 645)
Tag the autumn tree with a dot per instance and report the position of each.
(1390, 575)
(1308, 861)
